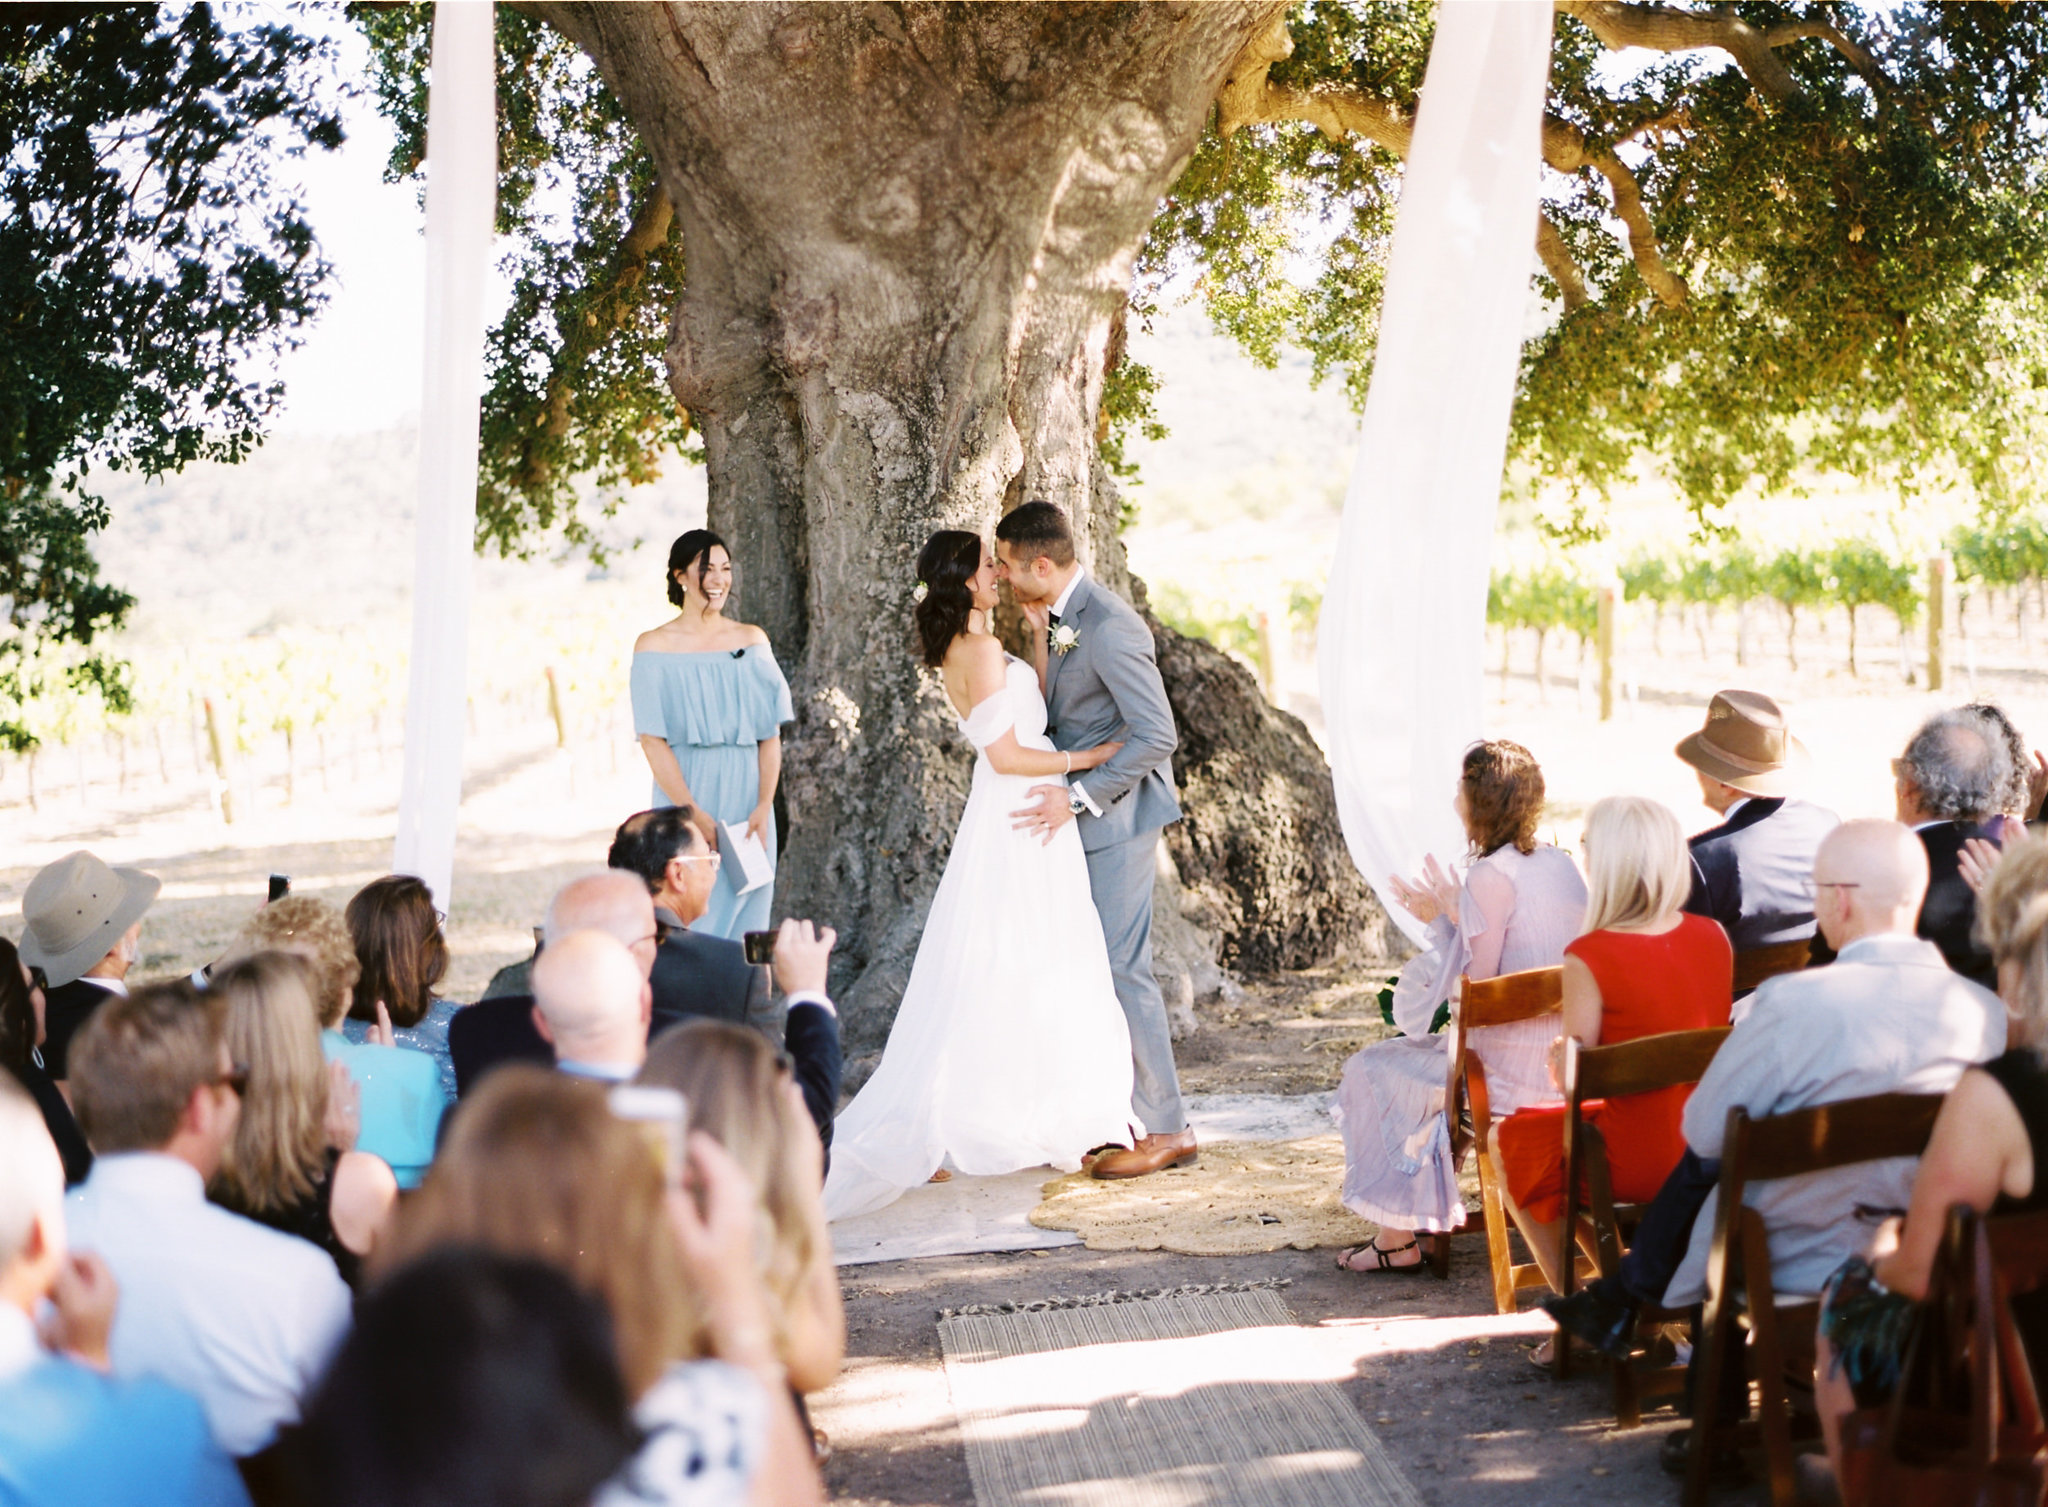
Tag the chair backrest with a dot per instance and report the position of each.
(1827, 1136)
(2018, 1246)
(1509, 997)
(1756, 964)
(1641, 1066)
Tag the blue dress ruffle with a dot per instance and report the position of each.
(713, 709)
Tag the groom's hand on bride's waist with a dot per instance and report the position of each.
(1046, 814)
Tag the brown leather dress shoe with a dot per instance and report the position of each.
(1152, 1154)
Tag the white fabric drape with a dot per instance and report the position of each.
(1403, 628)
(462, 187)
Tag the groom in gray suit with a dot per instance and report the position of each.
(1102, 685)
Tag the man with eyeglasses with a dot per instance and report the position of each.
(1888, 1016)
(695, 976)
(241, 1317)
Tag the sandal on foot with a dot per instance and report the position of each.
(1380, 1263)
(943, 1175)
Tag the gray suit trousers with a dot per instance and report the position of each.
(1121, 877)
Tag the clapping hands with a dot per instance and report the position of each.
(1975, 863)
(1434, 894)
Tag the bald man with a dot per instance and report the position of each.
(1888, 1016)
(591, 1004)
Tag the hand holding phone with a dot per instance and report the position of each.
(280, 886)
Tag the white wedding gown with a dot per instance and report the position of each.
(1009, 1049)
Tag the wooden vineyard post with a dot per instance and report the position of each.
(1940, 618)
(1603, 639)
(555, 708)
(220, 763)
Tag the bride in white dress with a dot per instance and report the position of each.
(1009, 1049)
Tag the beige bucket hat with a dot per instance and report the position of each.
(1746, 744)
(76, 909)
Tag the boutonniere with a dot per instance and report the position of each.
(1066, 636)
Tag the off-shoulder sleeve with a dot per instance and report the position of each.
(768, 703)
(646, 685)
(990, 718)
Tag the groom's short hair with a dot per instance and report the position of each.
(1038, 528)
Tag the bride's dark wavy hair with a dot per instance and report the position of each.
(944, 565)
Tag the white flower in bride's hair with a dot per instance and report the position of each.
(918, 593)
(1066, 636)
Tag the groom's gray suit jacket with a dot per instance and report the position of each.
(1106, 688)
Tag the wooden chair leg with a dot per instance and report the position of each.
(1439, 1253)
(1767, 1351)
(1717, 1342)
(1497, 1250)
(1628, 1402)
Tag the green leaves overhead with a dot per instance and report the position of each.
(578, 392)
(1862, 261)
(154, 259)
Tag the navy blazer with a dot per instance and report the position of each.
(1754, 872)
(491, 1032)
(704, 977)
(1948, 916)
(66, 1007)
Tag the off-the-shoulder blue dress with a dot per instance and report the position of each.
(714, 709)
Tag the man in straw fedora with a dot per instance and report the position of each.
(1754, 872)
(83, 929)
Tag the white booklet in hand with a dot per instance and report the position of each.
(746, 865)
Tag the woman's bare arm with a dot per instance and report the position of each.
(1979, 1149)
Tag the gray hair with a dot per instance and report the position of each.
(1960, 768)
(2018, 789)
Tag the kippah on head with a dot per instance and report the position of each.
(31, 1176)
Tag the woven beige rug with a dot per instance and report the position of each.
(1174, 1399)
(1242, 1197)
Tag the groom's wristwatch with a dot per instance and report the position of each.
(1076, 802)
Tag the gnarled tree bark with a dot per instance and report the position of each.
(910, 231)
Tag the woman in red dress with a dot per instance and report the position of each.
(1641, 968)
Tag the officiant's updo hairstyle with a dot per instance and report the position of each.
(944, 566)
(686, 552)
(1503, 796)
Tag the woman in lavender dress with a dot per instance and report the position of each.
(1520, 902)
(709, 702)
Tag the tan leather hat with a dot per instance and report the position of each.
(1746, 744)
(76, 909)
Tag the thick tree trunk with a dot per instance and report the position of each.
(909, 231)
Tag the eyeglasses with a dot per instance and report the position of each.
(697, 858)
(236, 1078)
(440, 917)
(662, 932)
(1836, 884)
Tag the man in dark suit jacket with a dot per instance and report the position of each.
(695, 976)
(699, 977)
(1754, 872)
(1948, 785)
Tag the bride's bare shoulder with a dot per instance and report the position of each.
(974, 651)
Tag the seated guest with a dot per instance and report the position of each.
(402, 1101)
(291, 1164)
(69, 1433)
(1988, 1148)
(2021, 801)
(591, 1001)
(743, 1096)
(537, 1165)
(397, 933)
(82, 926)
(21, 1039)
(505, 1028)
(1888, 1016)
(511, 1388)
(1753, 872)
(242, 1317)
(1949, 786)
(1642, 968)
(1520, 903)
(695, 974)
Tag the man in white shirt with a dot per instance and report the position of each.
(242, 1317)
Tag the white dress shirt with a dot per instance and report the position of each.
(241, 1316)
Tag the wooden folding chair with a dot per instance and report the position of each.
(1739, 1286)
(1759, 963)
(1498, 1001)
(1643, 1066)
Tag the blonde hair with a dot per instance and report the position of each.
(537, 1165)
(2012, 922)
(735, 1084)
(273, 1030)
(1638, 869)
(313, 930)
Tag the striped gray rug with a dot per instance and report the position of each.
(1167, 1399)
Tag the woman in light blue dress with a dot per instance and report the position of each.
(709, 702)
